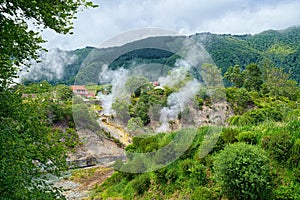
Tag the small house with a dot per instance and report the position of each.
(82, 91)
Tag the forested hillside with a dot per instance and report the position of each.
(275, 48)
(280, 48)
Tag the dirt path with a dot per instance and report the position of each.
(82, 181)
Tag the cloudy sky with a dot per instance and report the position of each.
(113, 17)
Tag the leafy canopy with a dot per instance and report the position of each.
(18, 43)
(29, 149)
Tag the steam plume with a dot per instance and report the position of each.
(177, 103)
(118, 79)
(51, 66)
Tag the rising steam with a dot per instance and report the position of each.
(177, 102)
(52, 66)
(176, 75)
(117, 79)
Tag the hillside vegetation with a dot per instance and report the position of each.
(256, 156)
(276, 48)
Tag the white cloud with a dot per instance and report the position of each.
(113, 17)
(244, 21)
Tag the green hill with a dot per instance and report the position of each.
(276, 48)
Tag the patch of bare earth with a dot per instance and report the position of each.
(82, 181)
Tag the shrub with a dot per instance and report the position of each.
(249, 137)
(256, 116)
(292, 115)
(135, 125)
(288, 192)
(141, 184)
(239, 99)
(160, 175)
(202, 193)
(197, 176)
(296, 173)
(243, 172)
(172, 174)
(229, 135)
(71, 138)
(185, 167)
(240, 120)
(294, 128)
(279, 146)
(295, 154)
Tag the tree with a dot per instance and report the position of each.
(18, 42)
(44, 86)
(243, 172)
(29, 150)
(235, 76)
(211, 75)
(278, 84)
(134, 83)
(135, 125)
(252, 77)
(63, 92)
(121, 108)
(239, 98)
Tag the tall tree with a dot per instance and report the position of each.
(235, 76)
(211, 75)
(278, 83)
(29, 150)
(253, 78)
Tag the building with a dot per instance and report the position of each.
(82, 91)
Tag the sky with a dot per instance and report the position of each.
(95, 26)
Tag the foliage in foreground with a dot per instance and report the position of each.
(255, 157)
(243, 172)
(248, 162)
(36, 131)
(30, 150)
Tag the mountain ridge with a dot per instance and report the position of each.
(276, 47)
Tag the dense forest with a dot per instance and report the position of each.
(276, 48)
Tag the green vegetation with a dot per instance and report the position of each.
(255, 157)
(243, 172)
(265, 168)
(36, 131)
(189, 175)
(278, 48)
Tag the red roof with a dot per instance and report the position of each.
(156, 83)
(81, 90)
(78, 87)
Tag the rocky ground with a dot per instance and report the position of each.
(93, 160)
(82, 181)
(95, 150)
